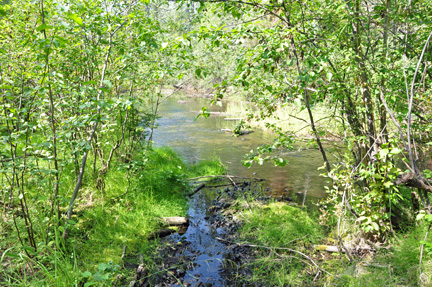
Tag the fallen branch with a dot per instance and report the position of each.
(411, 180)
(329, 248)
(201, 186)
(232, 119)
(244, 197)
(278, 248)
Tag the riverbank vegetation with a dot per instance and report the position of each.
(108, 230)
(80, 87)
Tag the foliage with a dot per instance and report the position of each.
(395, 267)
(105, 224)
(369, 189)
(80, 86)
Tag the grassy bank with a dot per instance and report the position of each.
(108, 228)
(289, 250)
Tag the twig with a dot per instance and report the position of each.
(278, 248)
(346, 250)
(124, 251)
(201, 186)
(241, 191)
(422, 247)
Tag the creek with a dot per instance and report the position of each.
(200, 139)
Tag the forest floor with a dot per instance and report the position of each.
(276, 242)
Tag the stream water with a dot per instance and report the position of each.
(203, 139)
(200, 139)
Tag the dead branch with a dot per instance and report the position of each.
(411, 180)
(197, 189)
(277, 248)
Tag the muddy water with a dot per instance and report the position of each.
(203, 139)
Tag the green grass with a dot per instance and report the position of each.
(290, 117)
(278, 225)
(397, 266)
(105, 222)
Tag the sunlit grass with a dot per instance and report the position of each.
(291, 117)
(105, 222)
(279, 225)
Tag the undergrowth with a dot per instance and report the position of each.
(109, 227)
(272, 228)
(285, 240)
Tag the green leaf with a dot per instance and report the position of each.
(107, 83)
(298, 102)
(86, 274)
(388, 184)
(384, 152)
(76, 19)
(396, 151)
(43, 27)
(361, 218)
(420, 216)
(205, 113)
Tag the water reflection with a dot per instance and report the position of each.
(203, 138)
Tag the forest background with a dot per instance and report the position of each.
(80, 86)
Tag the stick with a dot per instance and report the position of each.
(422, 247)
(278, 248)
(197, 189)
(124, 251)
(244, 197)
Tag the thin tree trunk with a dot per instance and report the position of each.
(95, 126)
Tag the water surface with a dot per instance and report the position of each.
(200, 139)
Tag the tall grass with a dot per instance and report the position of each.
(105, 224)
(271, 228)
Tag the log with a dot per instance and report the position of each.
(328, 248)
(410, 179)
(175, 221)
(242, 133)
(226, 176)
